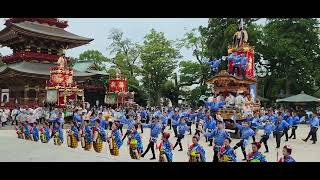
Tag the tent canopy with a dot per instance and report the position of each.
(302, 97)
(262, 99)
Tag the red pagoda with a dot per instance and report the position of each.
(37, 43)
(117, 93)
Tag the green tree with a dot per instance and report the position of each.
(93, 55)
(125, 53)
(159, 59)
(290, 51)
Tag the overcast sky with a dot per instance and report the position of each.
(133, 28)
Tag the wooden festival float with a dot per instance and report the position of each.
(117, 92)
(62, 91)
(224, 82)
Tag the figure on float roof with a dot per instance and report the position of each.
(62, 62)
(240, 36)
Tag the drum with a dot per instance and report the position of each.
(114, 151)
(74, 141)
(97, 146)
(43, 138)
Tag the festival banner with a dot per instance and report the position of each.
(250, 65)
(117, 85)
(253, 92)
(52, 96)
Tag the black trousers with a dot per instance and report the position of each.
(169, 123)
(125, 135)
(163, 127)
(264, 140)
(254, 136)
(141, 127)
(240, 144)
(293, 132)
(189, 124)
(180, 137)
(313, 134)
(174, 127)
(279, 134)
(285, 132)
(197, 133)
(215, 156)
(150, 146)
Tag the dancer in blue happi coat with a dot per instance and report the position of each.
(182, 128)
(219, 134)
(280, 127)
(130, 122)
(268, 128)
(175, 122)
(155, 127)
(164, 120)
(294, 124)
(209, 126)
(314, 125)
(57, 133)
(246, 133)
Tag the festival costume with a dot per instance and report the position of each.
(295, 122)
(27, 131)
(135, 145)
(87, 138)
(115, 142)
(165, 148)
(268, 129)
(219, 136)
(35, 134)
(73, 137)
(256, 157)
(45, 134)
(196, 153)
(226, 154)
(246, 133)
(182, 128)
(286, 159)
(154, 133)
(57, 135)
(99, 135)
(175, 122)
(19, 131)
(314, 125)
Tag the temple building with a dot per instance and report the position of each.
(37, 43)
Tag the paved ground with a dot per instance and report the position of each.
(14, 149)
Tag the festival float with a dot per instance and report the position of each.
(117, 92)
(62, 91)
(224, 82)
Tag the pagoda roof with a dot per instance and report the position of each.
(38, 30)
(87, 66)
(41, 69)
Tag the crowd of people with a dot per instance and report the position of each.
(94, 127)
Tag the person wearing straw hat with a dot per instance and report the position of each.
(286, 151)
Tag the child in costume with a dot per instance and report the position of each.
(155, 127)
(57, 133)
(19, 130)
(182, 128)
(226, 153)
(73, 135)
(255, 155)
(114, 139)
(196, 152)
(135, 143)
(99, 136)
(287, 150)
(27, 130)
(219, 134)
(35, 132)
(165, 148)
(45, 133)
(209, 126)
(86, 136)
(246, 133)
